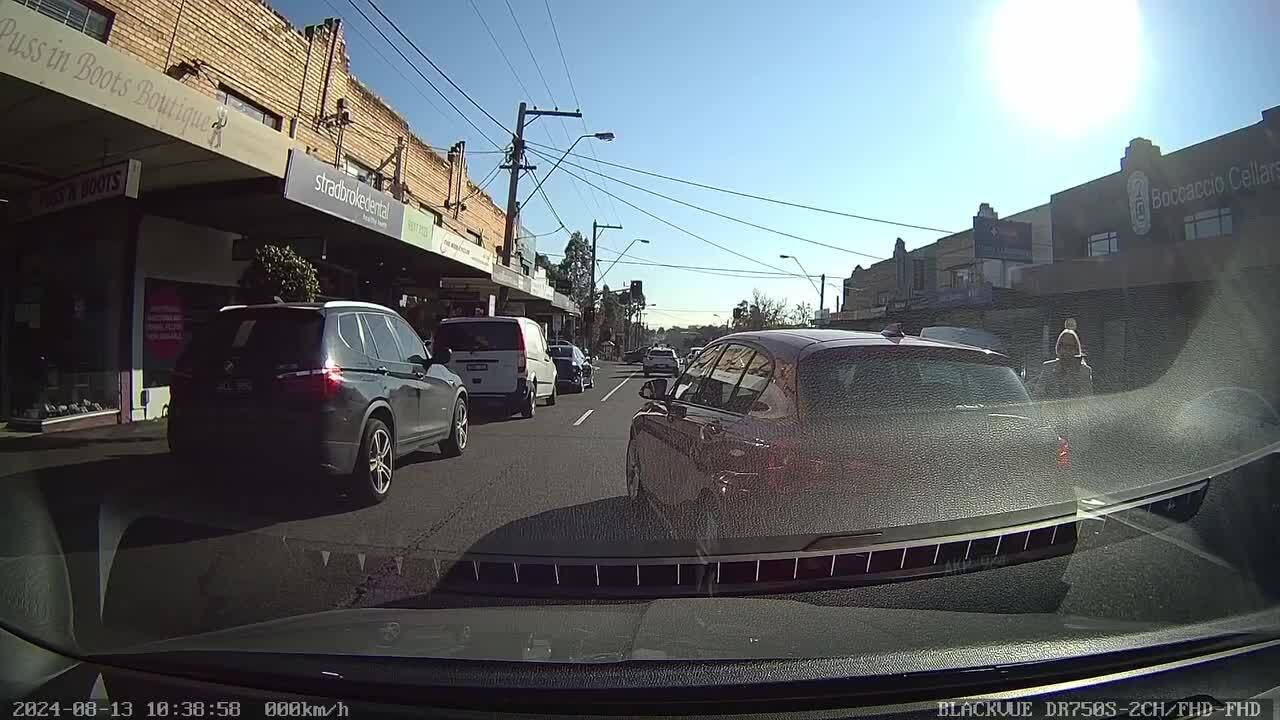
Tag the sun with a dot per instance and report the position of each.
(1067, 67)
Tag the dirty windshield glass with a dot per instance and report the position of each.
(929, 335)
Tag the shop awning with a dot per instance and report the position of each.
(101, 106)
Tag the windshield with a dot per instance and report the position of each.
(478, 336)
(673, 331)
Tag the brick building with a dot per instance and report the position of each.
(152, 145)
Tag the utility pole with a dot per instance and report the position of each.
(591, 303)
(822, 292)
(515, 165)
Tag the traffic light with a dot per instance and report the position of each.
(637, 291)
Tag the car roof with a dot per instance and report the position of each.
(487, 318)
(792, 342)
(325, 305)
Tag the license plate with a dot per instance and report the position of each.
(472, 367)
(235, 387)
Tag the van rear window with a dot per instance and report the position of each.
(478, 336)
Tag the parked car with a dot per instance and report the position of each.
(791, 432)
(631, 357)
(573, 368)
(691, 355)
(347, 387)
(661, 360)
(503, 361)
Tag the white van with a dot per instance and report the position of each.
(500, 359)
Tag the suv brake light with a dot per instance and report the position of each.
(323, 383)
(522, 357)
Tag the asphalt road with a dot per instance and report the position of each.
(155, 550)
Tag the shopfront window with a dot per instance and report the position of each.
(88, 19)
(1101, 244)
(962, 277)
(1207, 224)
(171, 313)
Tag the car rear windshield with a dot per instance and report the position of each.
(267, 339)
(849, 381)
(662, 353)
(561, 351)
(478, 336)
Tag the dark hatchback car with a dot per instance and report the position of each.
(573, 369)
(342, 387)
(815, 432)
(631, 357)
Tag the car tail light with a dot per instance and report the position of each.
(323, 383)
(1064, 454)
(522, 358)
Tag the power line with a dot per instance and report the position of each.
(757, 226)
(670, 224)
(542, 191)
(761, 198)
(443, 74)
(416, 69)
(536, 66)
(723, 272)
(501, 52)
(389, 64)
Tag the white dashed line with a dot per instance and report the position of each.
(585, 415)
(611, 392)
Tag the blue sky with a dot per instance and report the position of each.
(914, 111)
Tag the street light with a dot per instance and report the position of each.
(620, 256)
(603, 136)
(806, 275)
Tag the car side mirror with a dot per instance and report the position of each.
(442, 356)
(420, 361)
(655, 389)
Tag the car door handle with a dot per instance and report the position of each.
(710, 430)
(419, 375)
(381, 370)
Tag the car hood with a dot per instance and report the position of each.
(705, 628)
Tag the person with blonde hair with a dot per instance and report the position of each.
(1067, 375)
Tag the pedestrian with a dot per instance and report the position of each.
(1067, 375)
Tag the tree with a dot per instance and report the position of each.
(576, 268)
(761, 313)
(610, 315)
(801, 314)
(279, 272)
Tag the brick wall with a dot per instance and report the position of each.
(253, 50)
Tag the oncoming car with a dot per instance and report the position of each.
(343, 387)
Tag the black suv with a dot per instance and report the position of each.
(346, 387)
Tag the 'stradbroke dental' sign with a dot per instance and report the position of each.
(323, 187)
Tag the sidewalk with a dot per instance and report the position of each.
(22, 452)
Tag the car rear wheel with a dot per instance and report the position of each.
(375, 465)
(456, 443)
(551, 399)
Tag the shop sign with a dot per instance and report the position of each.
(48, 54)
(540, 288)
(118, 180)
(504, 275)
(1001, 239)
(163, 322)
(457, 248)
(958, 297)
(321, 186)
(1146, 197)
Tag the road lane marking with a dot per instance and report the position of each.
(585, 415)
(619, 387)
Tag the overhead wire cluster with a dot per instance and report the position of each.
(546, 152)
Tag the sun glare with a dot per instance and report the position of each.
(1066, 67)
